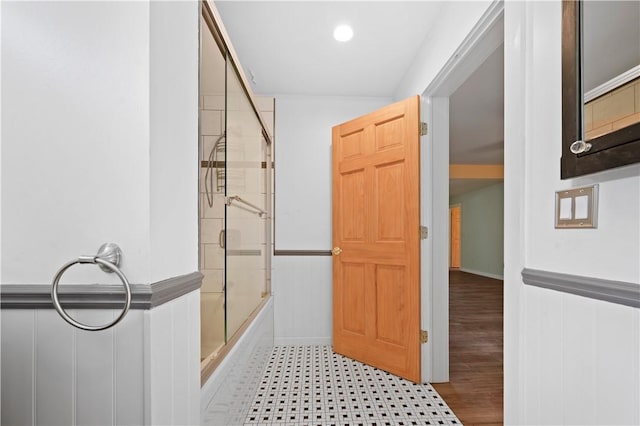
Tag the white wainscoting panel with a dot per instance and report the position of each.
(18, 367)
(95, 371)
(173, 354)
(55, 374)
(587, 354)
(302, 291)
(129, 374)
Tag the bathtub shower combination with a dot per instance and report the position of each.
(235, 185)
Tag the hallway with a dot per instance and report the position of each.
(475, 389)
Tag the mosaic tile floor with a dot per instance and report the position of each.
(310, 385)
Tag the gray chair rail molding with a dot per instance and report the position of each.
(98, 296)
(619, 292)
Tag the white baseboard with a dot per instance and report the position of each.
(302, 341)
(484, 274)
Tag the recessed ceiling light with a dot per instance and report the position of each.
(343, 33)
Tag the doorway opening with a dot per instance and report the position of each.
(466, 114)
(476, 206)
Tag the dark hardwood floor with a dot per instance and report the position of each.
(475, 389)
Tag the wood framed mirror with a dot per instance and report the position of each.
(603, 132)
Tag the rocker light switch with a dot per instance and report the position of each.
(577, 208)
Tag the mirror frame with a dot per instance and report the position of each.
(615, 149)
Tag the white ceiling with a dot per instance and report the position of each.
(476, 115)
(287, 47)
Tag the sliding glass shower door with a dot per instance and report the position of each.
(211, 219)
(246, 209)
(234, 185)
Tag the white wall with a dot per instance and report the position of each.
(456, 21)
(568, 359)
(302, 285)
(99, 126)
(75, 137)
(303, 166)
(173, 142)
(99, 143)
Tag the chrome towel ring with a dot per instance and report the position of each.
(108, 259)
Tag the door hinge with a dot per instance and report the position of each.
(424, 232)
(424, 128)
(424, 336)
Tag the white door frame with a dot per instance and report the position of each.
(484, 39)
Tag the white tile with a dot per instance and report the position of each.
(210, 230)
(213, 280)
(255, 183)
(213, 256)
(213, 102)
(210, 123)
(246, 268)
(246, 228)
(216, 210)
(270, 120)
(320, 399)
(212, 323)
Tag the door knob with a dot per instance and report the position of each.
(336, 251)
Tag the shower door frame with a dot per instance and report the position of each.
(214, 24)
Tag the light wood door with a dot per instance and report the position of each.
(454, 226)
(376, 262)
